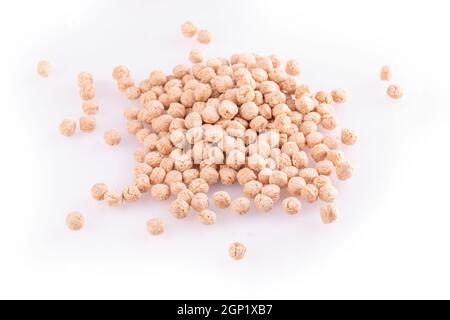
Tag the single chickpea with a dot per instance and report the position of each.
(237, 251)
(179, 209)
(210, 175)
(228, 109)
(190, 175)
(157, 78)
(195, 56)
(98, 191)
(186, 195)
(120, 72)
(293, 67)
(193, 120)
(279, 178)
(385, 74)
(310, 193)
(348, 137)
(84, 77)
(240, 206)
(332, 142)
(160, 192)
(200, 202)
(249, 110)
(295, 186)
(335, 156)
(112, 137)
(87, 91)
(309, 174)
(227, 176)
(263, 203)
(43, 69)
(329, 122)
(207, 217)
(245, 94)
(155, 227)
(199, 186)
(124, 83)
(308, 127)
(133, 126)
(142, 181)
(264, 175)
(177, 187)
(222, 199)
(75, 221)
(245, 175)
(292, 205)
(157, 176)
(344, 171)
(339, 95)
(132, 194)
(328, 213)
(324, 167)
(87, 124)
(395, 91)
(313, 139)
(319, 152)
(188, 29)
(252, 188)
(204, 36)
(321, 181)
(90, 108)
(272, 191)
(68, 127)
(131, 113)
(133, 93)
(114, 199)
(300, 160)
(276, 61)
(328, 193)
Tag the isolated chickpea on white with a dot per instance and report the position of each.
(68, 127)
(75, 221)
(237, 251)
(43, 69)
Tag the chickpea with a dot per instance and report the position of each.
(385, 73)
(292, 205)
(241, 206)
(67, 127)
(179, 208)
(395, 91)
(263, 203)
(237, 251)
(155, 227)
(204, 36)
(293, 68)
(43, 69)
(344, 170)
(112, 137)
(207, 217)
(328, 213)
(339, 95)
(75, 221)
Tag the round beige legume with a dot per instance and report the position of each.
(240, 205)
(179, 208)
(344, 170)
(98, 191)
(114, 199)
(68, 127)
(75, 221)
(292, 205)
(160, 192)
(204, 36)
(395, 91)
(222, 199)
(43, 69)
(88, 124)
(90, 108)
(263, 203)
(348, 137)
(328, 213)
(200, 202)
(155, 227)
(132, 194)
(328, 193)
(112, 137)
(385, 74)
(188, 29)
(207, 217)
(237, 251)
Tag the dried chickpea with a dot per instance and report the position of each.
(87, 124)
(310, 193)
(204, 36)
(195, 56)
(344, 170)
(157, 176)
(84, 77)
(385, 73)
(324, 167)
(177, 187)
(210, 175)
(98, 191)
(142, 181)
(186, 195)
(332, 142)
(179, 209)
(395, 91)
(188, 29)
(309, 174)
(68, 127)
(114, 199)
(252, 188)
(222, 199)
(227, 109)
(160, 192)
(328, 193)
(200, 202)
(295, 186)
(263, 203)
(87, 91)
(207, 217)
(348, 137)
(237, 251)
(245, 175)
(75, 221)
(120, 72)
(43, 69)
(335, 156)
(292, 205)
(90, 107)
(132, 194)
(228, 176)
(339, 95)
(131, 113)
(328, 213)
(249, 110)
(293, 68)
(319, 152)
(240, 206)
(112, 137)
(321, 181)
(272, 191)
(155, 227)
(279, 178)
(133, 126)
(199, 185)
(133, 93)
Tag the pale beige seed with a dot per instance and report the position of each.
(252, 188)
(227, 109)
(98, 191)
(386, 74)
(43, 69)
(207, 217)
(240, 206)
(200, 202)
(160, 192)
(292, 205)
(272, 191)
(114, 199)
(120, 72)
(322, 181)
(222, 199)
(112, 137)
(177, 187)
(339, 95)
(67, 127)
(309, 174)
(328, 193)
(199, 186)
(75, 221)
(263, 203)
(195, 56)
(395, 91)
(237, 251)
(344, 170)
(90, 108)
(204, 36)
(328, 213)
(87, 91)
(295, 186)
(293, 67)
(131, 113)
(84, 77)
(319, 152)
(132, 194)
(133, 93)
(179, 208)
(88, 124)
(188, 29)
(324, 167)
(186, 195)
(335, 156)
(279, 178)
(155, 227)
(348, 137)
(310, 193)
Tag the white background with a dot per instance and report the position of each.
(392, 237)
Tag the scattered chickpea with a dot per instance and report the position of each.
(237, 251)
(200, 202)
(395, 91)
(295, 186)
(195, 56)
(263, 203)
(75, 221)
(160, 192)
(207, 217)
(155, 227)
(179, 208)
(348, 137)
(293, 68)
(186, 195)
(385, 73)
(339, 95)
(98, 191)
(90, 107)
(310, 193)
(328, 213)
(112, 137)
(222, 199)
(344, 170)
(132, 194)
(87, 124)
(199, 186)
(188, 29)
(240, 206)
(68, 127)
(204, 36)
(43, 69)
(114, 199)
(328, 193)
(272, 191)
(292, 205)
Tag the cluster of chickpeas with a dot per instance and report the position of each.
(394, 90)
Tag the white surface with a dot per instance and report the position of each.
(392, 238)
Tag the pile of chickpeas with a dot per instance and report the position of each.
(245, 120)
